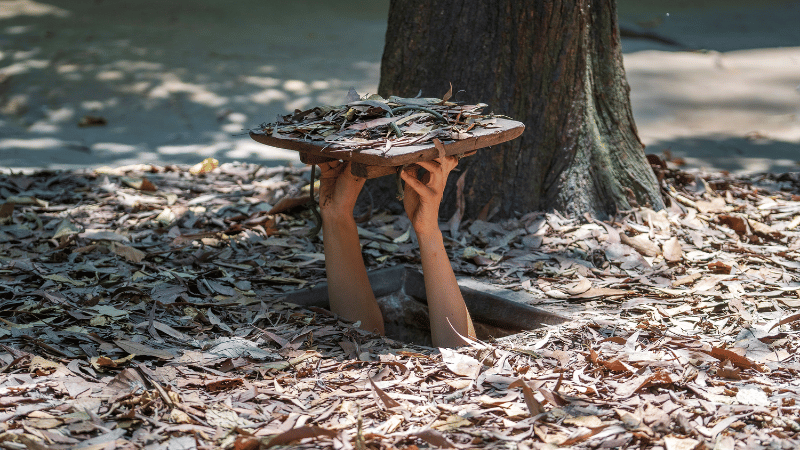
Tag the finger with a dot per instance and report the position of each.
(433, 168)
(331, 169)
(448, 163)
(430, 166)
(329, 164)
(348, 172)
(414, 183)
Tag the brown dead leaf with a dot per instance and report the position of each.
(207, 165)
(640, 243)
(672, 250)
(129, 253)
(289, 202)
(552, 397)
(41, 366)
(786, 320)
(726, 370)
(579, 287)
(688, 279)
(534, 406)
(141, 184)
(614, 365)
(388, 402)
(735, 358)
(600, 292)
(296, 434)
(224, 384)
(584, 421)
(582, 436)
(463, 365)
(763, 230)
(448, 94)
(720, 267)
(716, 205)
(434, 438)
(676, 443)
(736, 223)
(458, 383)
(5, 212)
(452, 422)
(136, 348)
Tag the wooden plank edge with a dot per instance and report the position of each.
(369, 158)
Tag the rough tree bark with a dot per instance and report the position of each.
(554, 65)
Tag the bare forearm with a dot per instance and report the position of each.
(349, 291)
(445, 302)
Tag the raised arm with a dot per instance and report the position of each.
(349, 291)
(445, 303)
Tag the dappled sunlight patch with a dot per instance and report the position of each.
(62, 114)
(136, 66)
(31, 144)
(320, 85)
(298, 103)
(195, 149)
(10, 9)
(236, 117)
(167, 81)
(44, 128)
(54, 119)
(711, 105)
(110, 75)
(24, 67)
(233, 128)
(140, 87)
(27, 54)
(268, 96)
(116, 147)
(96, 105)
(296, 86)
(268, 68)
(171, 84)
(67, 68)
(18, 29)
(263, 82)
(372, 69)
(247, 148)
(748, 165)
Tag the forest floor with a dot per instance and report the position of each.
(143, 307)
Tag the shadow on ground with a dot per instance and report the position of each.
(732, 154)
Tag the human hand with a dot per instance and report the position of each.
(422, 200)
(338, 189)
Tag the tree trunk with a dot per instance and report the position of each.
(554, 65)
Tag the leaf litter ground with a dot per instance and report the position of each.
(141, 307)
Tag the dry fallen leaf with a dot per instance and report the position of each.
(129, 253)
(672, 250)
(676, 443)
(459, 364)
(656, 351)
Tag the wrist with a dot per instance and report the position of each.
(428, 234)
(336, 214)
(335, 222)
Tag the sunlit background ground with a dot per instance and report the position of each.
(176, 82)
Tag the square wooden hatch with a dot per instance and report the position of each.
(400, 291)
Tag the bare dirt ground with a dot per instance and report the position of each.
(142, 306)
(112, 83)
